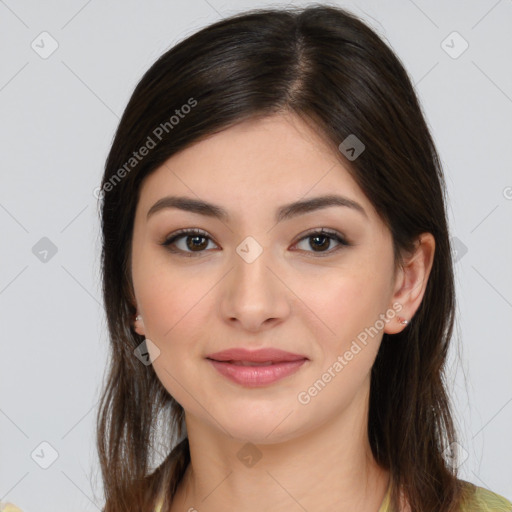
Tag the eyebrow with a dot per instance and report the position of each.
(285, 212)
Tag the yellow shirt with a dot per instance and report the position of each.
(483, 501)
(9, 507)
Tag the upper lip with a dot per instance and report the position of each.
(257, 356)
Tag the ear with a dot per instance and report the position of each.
(411, 281)
(138, 325)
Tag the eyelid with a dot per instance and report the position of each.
(330, 233)
(169, 240)
(185, 231)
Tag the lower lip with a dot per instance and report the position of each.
(256, 376)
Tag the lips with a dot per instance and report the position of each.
(260, 357)
(250, 363)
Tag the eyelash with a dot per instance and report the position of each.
(332, 235)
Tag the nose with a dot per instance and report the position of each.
(254, 296)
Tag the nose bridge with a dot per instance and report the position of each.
(251, 274)
(251, 266)
(253, 293)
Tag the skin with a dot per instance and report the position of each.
(292, 297)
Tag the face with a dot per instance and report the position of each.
(252, 280)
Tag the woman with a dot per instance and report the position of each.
(277, 279)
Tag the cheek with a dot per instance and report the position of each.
(346, 300)
(350, 305)
(177, 308)
(172, 303)
(179, 314)
(163, 290)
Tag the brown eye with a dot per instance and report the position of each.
(189, 241)
(320, 241)
(195, 241)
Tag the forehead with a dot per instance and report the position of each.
(257, 163)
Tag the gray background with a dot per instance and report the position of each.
(58, 116)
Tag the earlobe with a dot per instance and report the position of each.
(139, 325)
(397, 325)
(412, 280)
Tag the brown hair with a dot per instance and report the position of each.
(325, 65)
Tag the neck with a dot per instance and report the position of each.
(326, 468)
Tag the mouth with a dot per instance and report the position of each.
(260, 357)
(247, 363)
(257, 368)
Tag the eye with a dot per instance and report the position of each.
(194, 240)
(197, 241)
(320, 240)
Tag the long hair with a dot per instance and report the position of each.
(325, 65)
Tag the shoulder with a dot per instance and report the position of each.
(480, 499)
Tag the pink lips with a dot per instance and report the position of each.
(257, 367)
